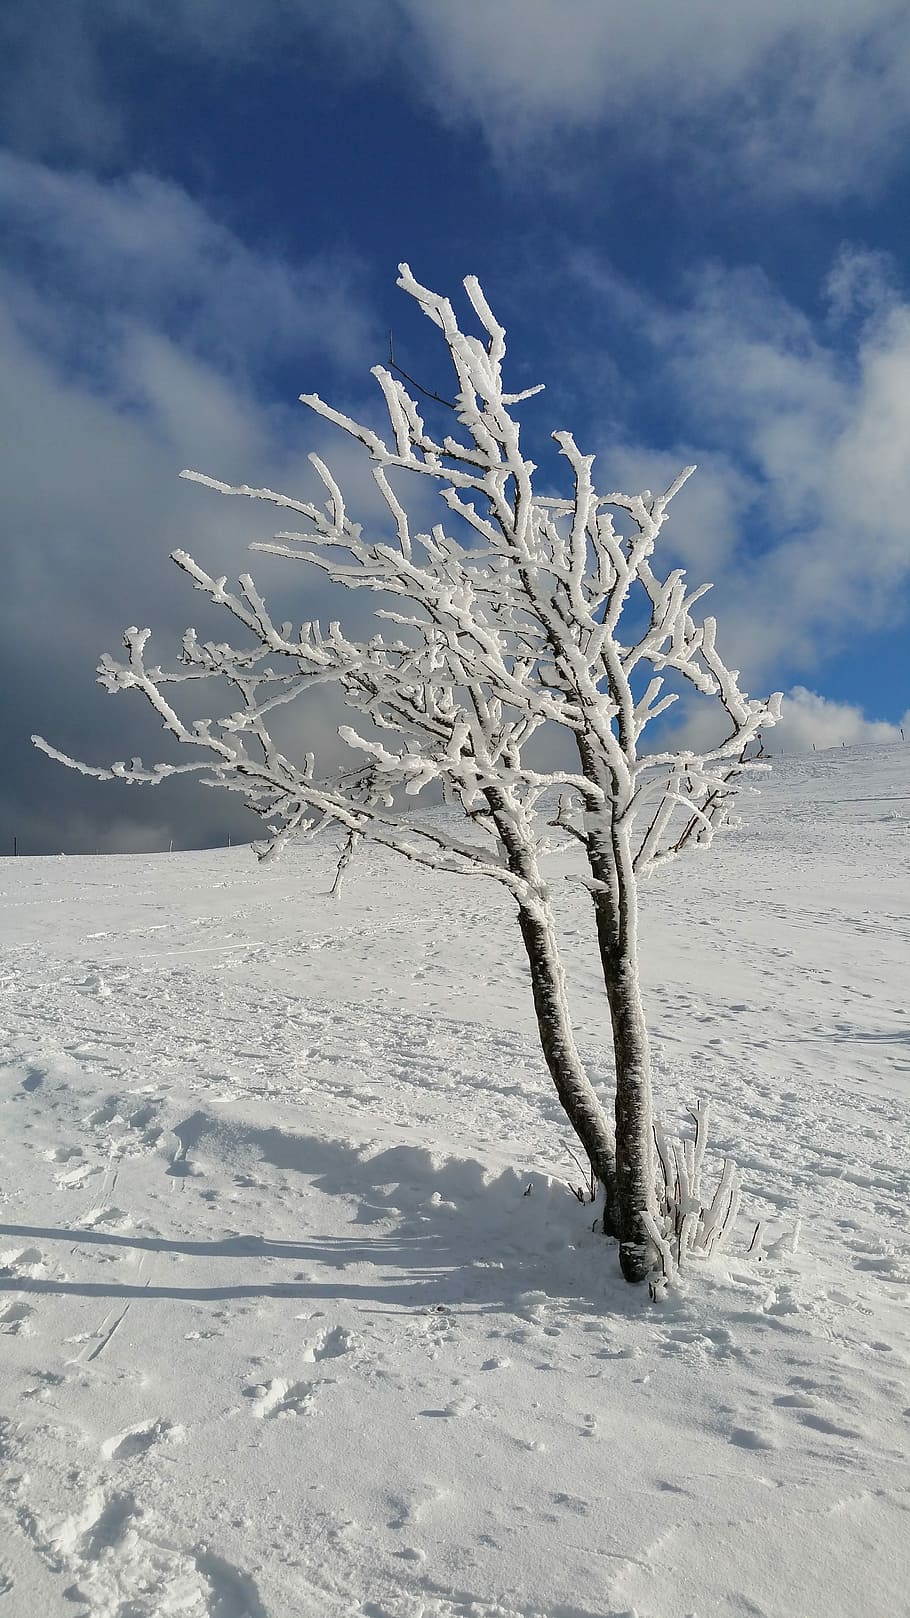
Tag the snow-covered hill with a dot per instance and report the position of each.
(299, 1317)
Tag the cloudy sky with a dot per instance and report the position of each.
(692, 219)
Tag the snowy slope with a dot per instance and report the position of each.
(282, 1332)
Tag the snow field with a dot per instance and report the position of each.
(282, 1332)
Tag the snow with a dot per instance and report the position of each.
(298, 1314)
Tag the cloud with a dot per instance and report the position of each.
(64, 93)
(136, 345)
(800, 509)
(808, 99)
(804, 100)
(705, 524)
(104, 395)
(142, 247)
(809, 720)
(53, 90)
(860, 284)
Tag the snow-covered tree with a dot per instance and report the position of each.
(522, 614)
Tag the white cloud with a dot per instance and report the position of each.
(705, 522)
(804, 99)
(860, 283)
(800, 509)
(808, 98)
(142, 246)
(809, 720)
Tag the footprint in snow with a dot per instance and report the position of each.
(278, 1398)
(330, 1345)
(137, 1440)
(824, 1424)
(687, 1341)
(462, 1406)
(110, 1109)
(805, 1410)
(143, 1116)
(27, 1261)
(752, 1438)
(573, 1503)
(14, 1317)
(119, 1553)
(407, 1510)
(43, 1385)
(63, 1154)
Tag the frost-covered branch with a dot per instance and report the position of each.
(690, 1223)
(502, 626)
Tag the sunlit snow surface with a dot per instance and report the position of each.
(283, 1335)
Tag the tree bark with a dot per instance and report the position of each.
(554, 1024)
(573, 1087)
(616, 916)
(635, 1167)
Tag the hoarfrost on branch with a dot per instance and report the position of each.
(506, 620)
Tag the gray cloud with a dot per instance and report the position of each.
(100, 407)
(135, 358)
(53, 91)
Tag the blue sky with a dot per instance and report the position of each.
(691, 219)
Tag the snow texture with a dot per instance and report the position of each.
(299, 1316)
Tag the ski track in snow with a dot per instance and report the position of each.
(299, 1318)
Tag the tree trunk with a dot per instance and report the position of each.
(635, 1166)
(574, 1088)
(554, 1024)
(616, 915)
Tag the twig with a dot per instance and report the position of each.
(393, 366)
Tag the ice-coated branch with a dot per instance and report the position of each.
(688, 1224)
(510, 620)
(551, 580)
(521, 619)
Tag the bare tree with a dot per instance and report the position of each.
(506, 620)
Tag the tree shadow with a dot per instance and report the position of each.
(459, 1239)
